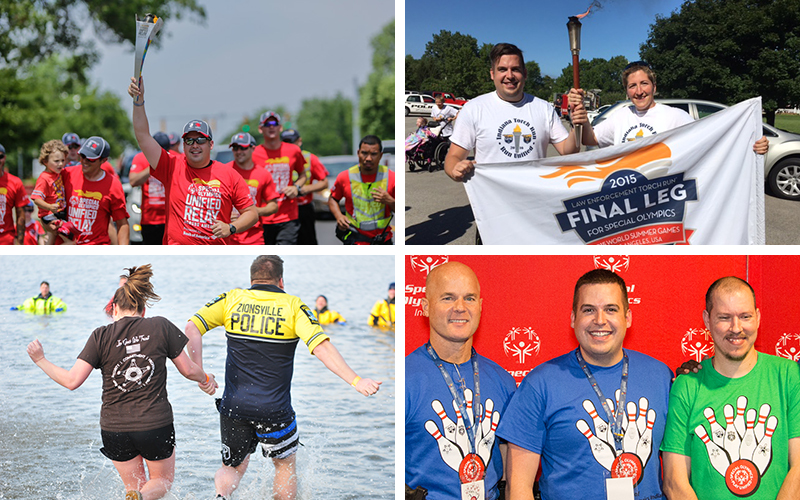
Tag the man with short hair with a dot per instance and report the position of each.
(316, 181)
(12, 197)
(256, 405)
(153, 219)
(645, 118)
(445, 115)
(563, 414)
(259, 182)
(73, 144)
(44, 303)
(506, 125)
(94, 199)
(368, 192)
(282, 160)
(708, 452)
(449, 383)
(200, 193)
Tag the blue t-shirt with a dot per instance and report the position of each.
(426, 388)
(557, 414)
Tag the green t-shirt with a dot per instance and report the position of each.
(731, 450)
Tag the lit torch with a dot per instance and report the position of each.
(574, 28)
(146, 32)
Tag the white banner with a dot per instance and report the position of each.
(699, 184)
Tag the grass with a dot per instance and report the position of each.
(789, 123)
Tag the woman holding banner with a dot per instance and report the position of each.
(645, 118)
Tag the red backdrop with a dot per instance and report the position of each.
(527, 302)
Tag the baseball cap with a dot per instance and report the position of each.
(269, 114)
(174, 138)
(242, 139)
(2, 149)
(70, 138)
(197, 126)
(95, 147)
(391, 285)
(162, 139)
(290, 135)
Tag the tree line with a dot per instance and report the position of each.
(719, 50)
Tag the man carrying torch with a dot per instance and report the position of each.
(200, 193)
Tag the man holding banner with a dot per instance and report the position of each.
(506, 125)
(592, 427)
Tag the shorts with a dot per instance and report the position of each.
(279, 439)
(156, 444)
(282, 233)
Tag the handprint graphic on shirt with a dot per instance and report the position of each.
(637, 440)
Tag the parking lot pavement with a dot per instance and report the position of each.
(438, 210)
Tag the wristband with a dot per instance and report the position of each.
(355, 381)
(142, 104)
(207, 379)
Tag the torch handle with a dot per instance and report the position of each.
(576, 83)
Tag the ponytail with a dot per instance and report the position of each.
(137, 292)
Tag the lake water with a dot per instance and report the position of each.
(50, 437)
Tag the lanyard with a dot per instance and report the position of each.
(459, 397)
(615, 421)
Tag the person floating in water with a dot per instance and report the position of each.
(327, 316)
(44, 303)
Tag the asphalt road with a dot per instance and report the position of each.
(438, 210)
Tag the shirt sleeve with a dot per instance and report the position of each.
(558, 133)
(119, 209)
(210, 315)
(91, 351)
(176, 340)
(299, 163)
(464, 132)
(677, 435)
(139, 163)
(163, 172)
(40, 189)
(318, 170)
(526, 405)
(604, 132)
(338, 190)
(307, 327)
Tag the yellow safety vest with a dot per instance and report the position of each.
(369, 214)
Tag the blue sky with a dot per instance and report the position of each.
(538, 27)
(248, 54)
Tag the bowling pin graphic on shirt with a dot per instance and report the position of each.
(453, 446)
(635, 442)
(746, 448)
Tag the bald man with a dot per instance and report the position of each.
(444, 374)
(705, 456)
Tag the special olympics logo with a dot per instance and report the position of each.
(613, 263)
(521, 342)
(697, 344)
(426, 264)
(788, 346)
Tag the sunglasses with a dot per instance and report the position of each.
(271, 124)
(74, 146)
(2, 156)
(637, 63)
(199, 140)
(83, 157)
(237, 147)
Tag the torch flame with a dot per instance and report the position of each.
(594, 4)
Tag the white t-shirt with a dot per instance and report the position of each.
(442, 114)
(502, 131)
(629, 124)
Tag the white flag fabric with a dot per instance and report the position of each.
(699, 184)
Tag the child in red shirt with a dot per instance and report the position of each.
(48, 193)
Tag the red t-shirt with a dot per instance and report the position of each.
(91, 205)
(318, 172)
(153, 195)
(12, 194)
(341, 188)
(281, 163)
(197, 197)
(33, 230)
(49, 187)
(262, 190)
